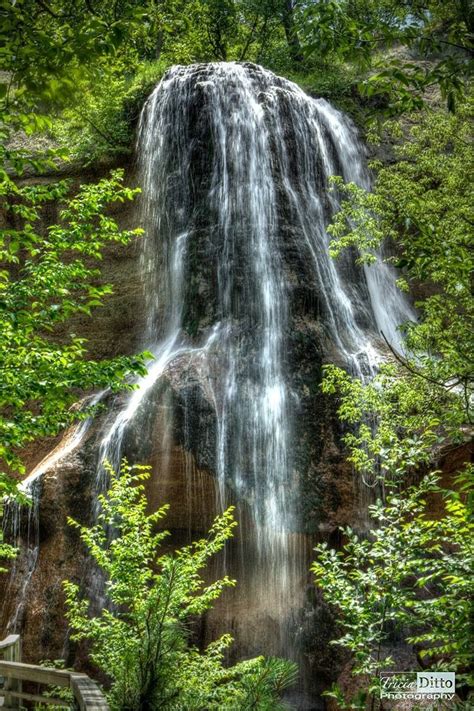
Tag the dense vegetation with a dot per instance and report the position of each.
(142, 643)
(75, 75)
(413, 576)
(90, 65)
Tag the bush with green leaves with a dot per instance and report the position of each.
(336, 82)
(365, 32)
(412, 576)
(141, 639)
(422, 204)
(55, 692)
(48, 275)
(99, 122)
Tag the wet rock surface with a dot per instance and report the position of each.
(178, 426)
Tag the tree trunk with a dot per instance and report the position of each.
(467, 14)
(290, 31)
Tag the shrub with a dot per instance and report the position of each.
(141, 641)
(100, 124)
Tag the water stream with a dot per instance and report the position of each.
(234, 165)
(231, 156)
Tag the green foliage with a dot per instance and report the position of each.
(363, 32)
(341, 41)
(423, 203)
(101, 112)
(238, 30)
(48, 275)
(78, 58)
(8, 488)
(141, 640)
(95, 126)
(336, 83)
(141, 85)
(423, 200)
(54, 692)
(90, 65)
(413, 576)
(100, 122)
(85, 62)
(397, 421)
(49, 45)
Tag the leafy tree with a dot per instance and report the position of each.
(412, 576)
(48, 276)
(220, 17)
(356, 30)
(55, 51)
(423, 204)
(204, 30)
(85, 64)
(49, 43)
(141, 641)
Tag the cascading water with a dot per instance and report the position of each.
(234, 166)
(21, 520)
(21, 526)
(243, 305)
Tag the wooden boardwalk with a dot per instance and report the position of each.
(87, 695)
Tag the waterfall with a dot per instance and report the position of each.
(243, 306)
(21, 520)
(234, 165)
(21, 526)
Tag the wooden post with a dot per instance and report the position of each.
(87, 694)
(10, 648)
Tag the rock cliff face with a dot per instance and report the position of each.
(233, 291)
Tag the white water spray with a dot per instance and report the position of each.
(227, 153)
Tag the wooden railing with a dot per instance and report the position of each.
(87, 695)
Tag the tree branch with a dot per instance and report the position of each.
(101, 133)
(47, 9)
(409, 367)
(459, 46)
(249, 39)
